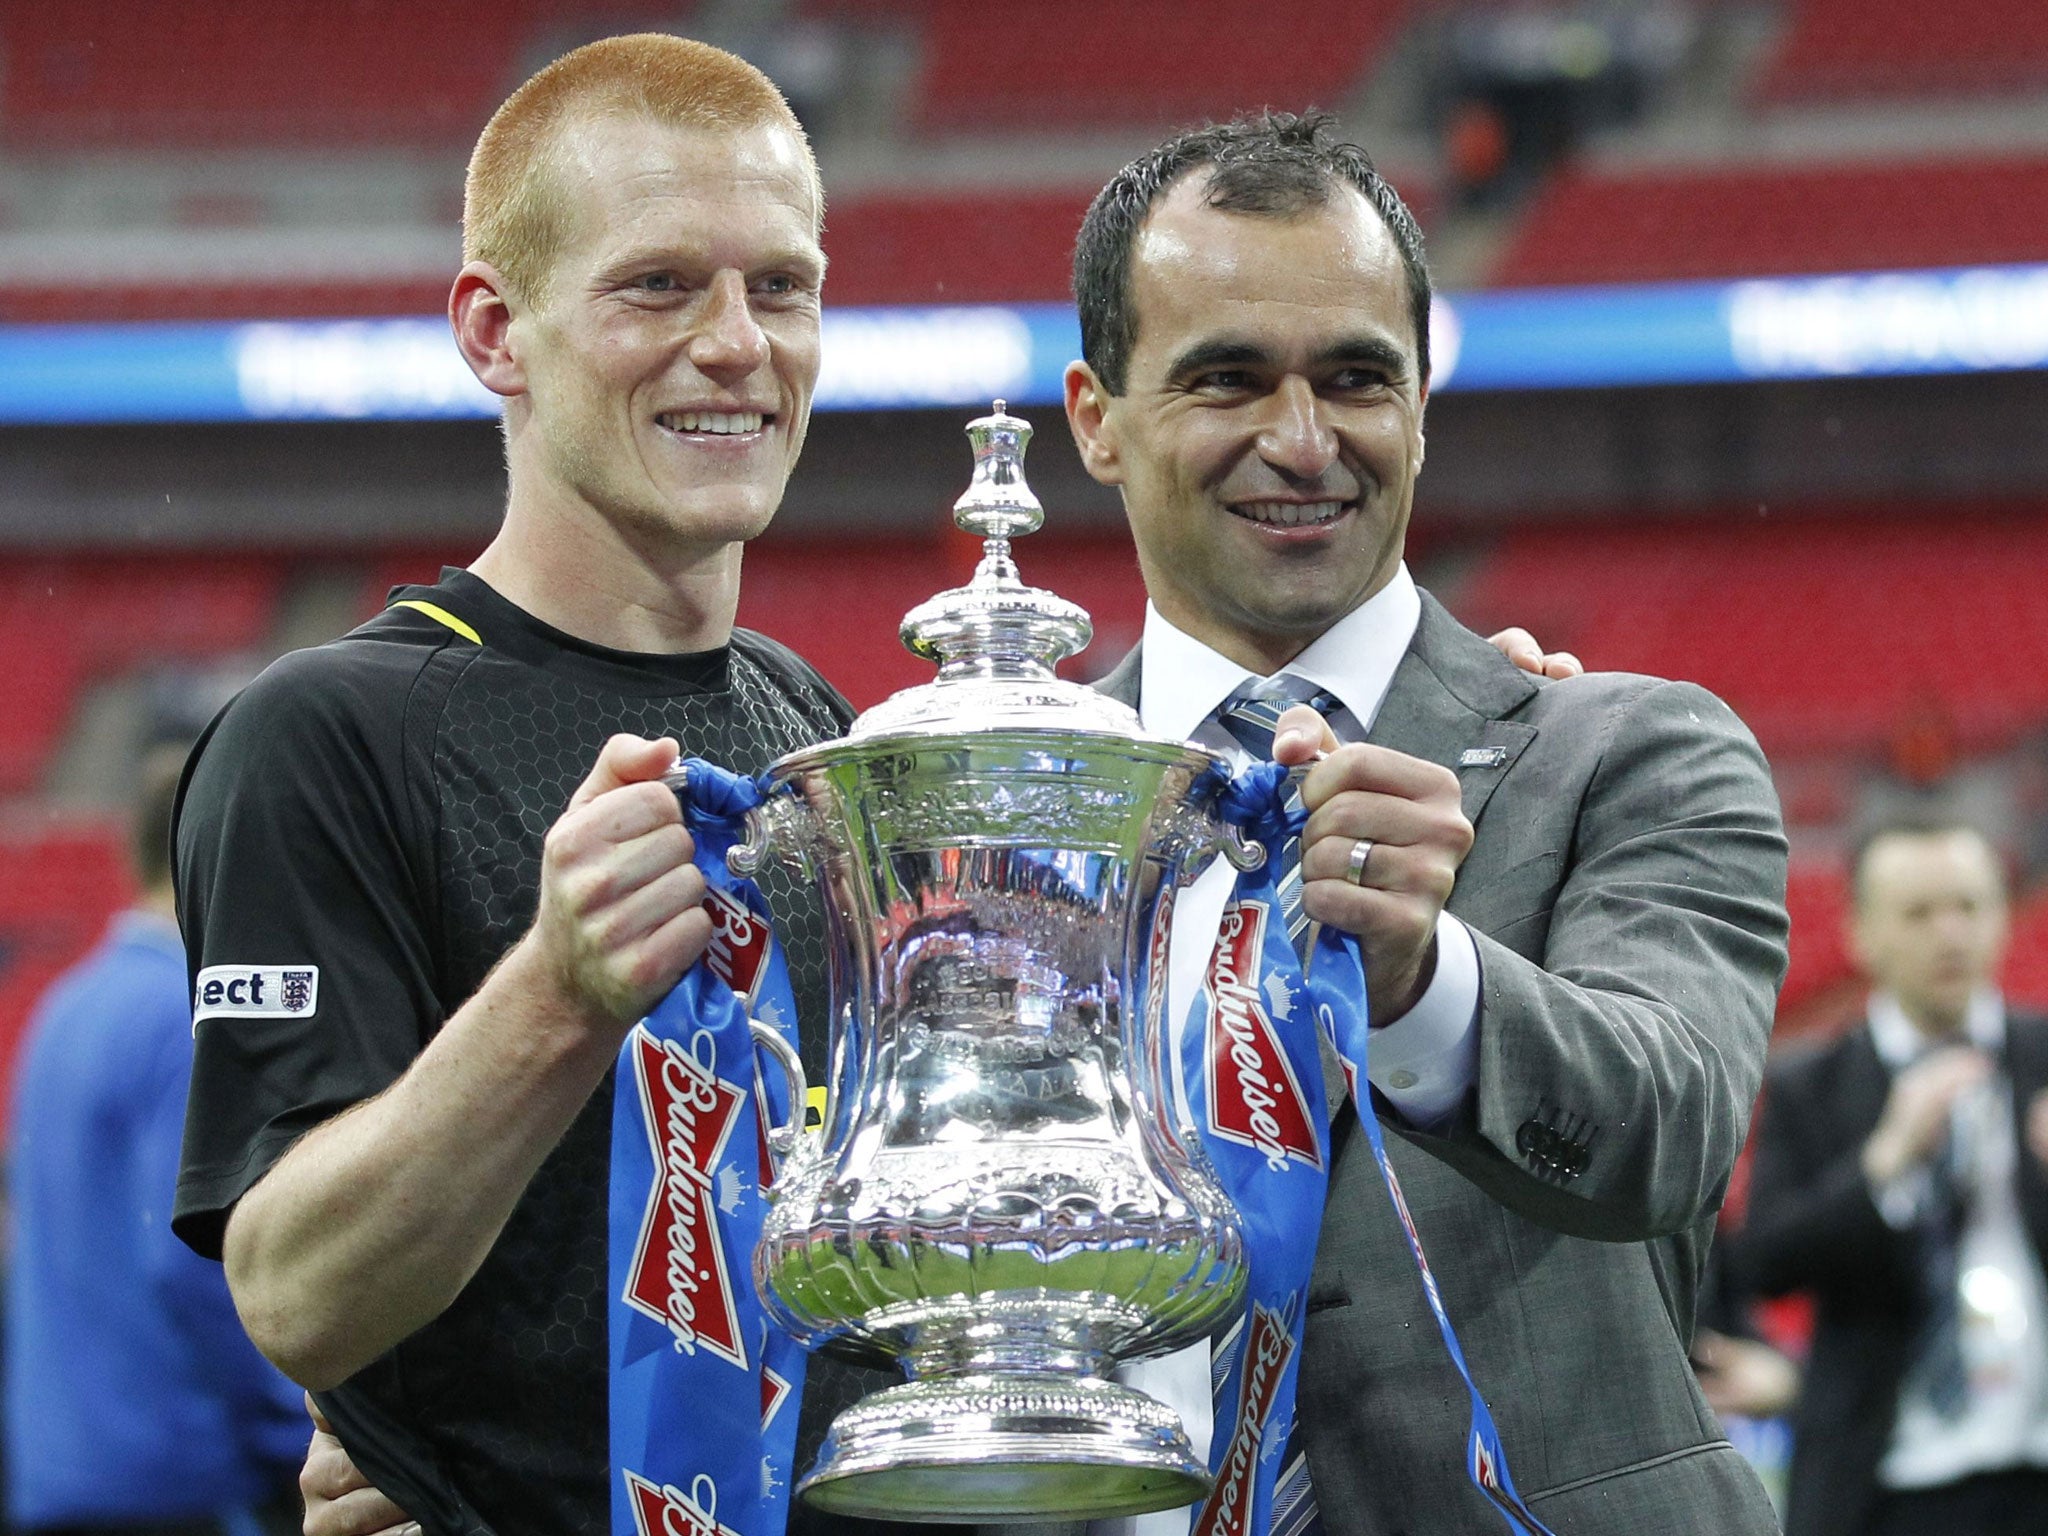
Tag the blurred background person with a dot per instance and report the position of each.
(1902, 1179)
(1751, 1384)
(134, 1401)
(1740, 1375)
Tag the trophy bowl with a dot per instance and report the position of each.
(1000, 1197)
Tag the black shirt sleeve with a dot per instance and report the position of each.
(300, 894)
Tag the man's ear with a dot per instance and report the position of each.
(1421, 438)
(1089, 419)
(480, 313)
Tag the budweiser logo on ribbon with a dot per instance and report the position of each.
(740, 942)
(1229, 1510)
(679, 1275)
(665, 1510)
(1484, 1471)
(1255, 1099)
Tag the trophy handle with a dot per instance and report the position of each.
(1243, 852)
(1198, 834)
(780, 826)
(785, 1141)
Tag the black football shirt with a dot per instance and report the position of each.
(359, 840)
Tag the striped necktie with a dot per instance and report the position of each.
(1251, 721)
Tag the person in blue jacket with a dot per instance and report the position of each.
(135, 1403)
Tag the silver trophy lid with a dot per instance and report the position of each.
(996, 640)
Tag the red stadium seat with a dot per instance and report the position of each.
(246, 73)
(131, 73)
(1064, 64)
(954, 246)
(66, 620)
(1821, 635)
(38, 687)
(963, 247)
(1648, 225)
(1842, 49)
(125, 610)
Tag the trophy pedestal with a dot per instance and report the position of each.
(995, 1446)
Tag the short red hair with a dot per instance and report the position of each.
(512, 210)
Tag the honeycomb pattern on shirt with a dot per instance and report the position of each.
(508, 1386)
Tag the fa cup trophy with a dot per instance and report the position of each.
(1001, 1196)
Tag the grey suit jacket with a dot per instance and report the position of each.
(1626, 893)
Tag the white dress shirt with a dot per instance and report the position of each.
(1424, 1061)
(2002, 1301)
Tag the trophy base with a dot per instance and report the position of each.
(1000, 1446)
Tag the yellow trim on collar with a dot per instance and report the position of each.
(437, 612)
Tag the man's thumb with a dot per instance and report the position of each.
(625, 760)
(1299, 735)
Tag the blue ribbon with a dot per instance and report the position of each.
(1250, 1054)
(691, 1351)
(690, 1159)
(1249, 1062)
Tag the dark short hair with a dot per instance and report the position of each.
(1274, 164)
(1912, 821)
(156, 798)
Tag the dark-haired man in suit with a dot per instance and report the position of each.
(1902, 1179)
(1569, 894)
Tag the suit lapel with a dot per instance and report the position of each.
(1864, 1084)
(2026, 1063)
(1445, 703)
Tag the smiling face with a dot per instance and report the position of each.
(669, 364)
(1270, 431)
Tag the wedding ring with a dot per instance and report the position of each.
(1354, 869)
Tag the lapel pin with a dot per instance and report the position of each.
(1482, 757)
